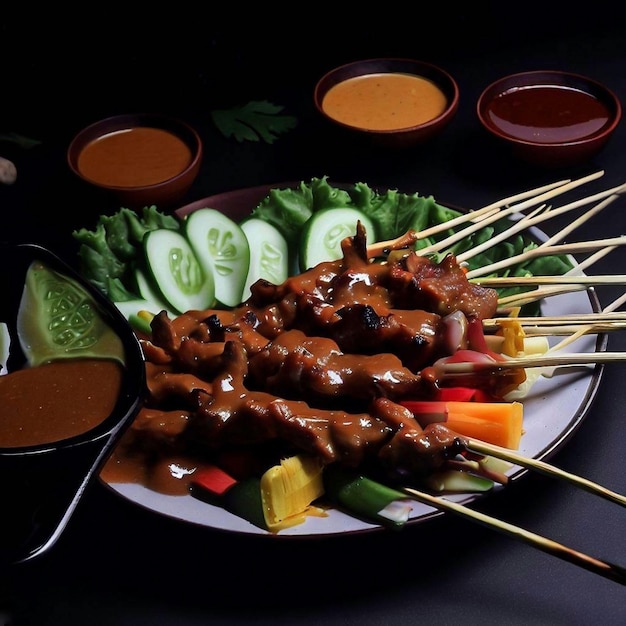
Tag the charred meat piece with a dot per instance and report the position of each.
(417, 283)
(414, 336)
(413, 452)
(296, 365)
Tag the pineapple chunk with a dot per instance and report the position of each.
(288, 489)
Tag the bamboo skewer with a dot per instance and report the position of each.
(545, 468)
(466, 232)
(543, 360)
(573, 329)
(581, 266)
(578, 318)
(519, 299)
(520, 281)
(581, 325)
(606, 569)
(536, 218)
(611, 308)
(607, 311)
(603, 568)
(495, 211)
(410, 237)
(560, 285)
(575, 326)
(578, 221)
(496, 206)
(580, 246)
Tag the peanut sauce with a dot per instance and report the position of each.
(56, 401)
(384, 101)
(134, 157)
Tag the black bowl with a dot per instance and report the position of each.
(43, 480)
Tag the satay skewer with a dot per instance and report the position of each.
(495, 207)
(603, 568)
(536, 218)
(521, 281)
(444, 368)
(550, 330)
(571, 248)
(542, 467)
(606, 569)
(546, 286)
(529, 198)
(540, 214)
(576, 318)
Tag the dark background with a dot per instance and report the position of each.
(62, 70)
(64, 67)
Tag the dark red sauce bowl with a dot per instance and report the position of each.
(549, 118)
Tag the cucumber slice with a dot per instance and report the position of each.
(222, 248)
(176, 271)
(324, 231)
(148, 291)
(58, 319)
(269, 253)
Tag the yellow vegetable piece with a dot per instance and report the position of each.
(145, 315)
(513, 333)
(288, 489)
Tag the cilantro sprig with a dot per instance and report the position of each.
(255, 121)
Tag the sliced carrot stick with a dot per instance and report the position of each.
(505, 433)
(499, 423)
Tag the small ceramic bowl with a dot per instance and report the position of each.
(391, 102)
(56, 432)
(549, 118)
(138, 159)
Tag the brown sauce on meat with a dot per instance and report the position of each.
(56, 401)
(170, 475)
(317, 364)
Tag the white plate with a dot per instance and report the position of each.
(553, 410)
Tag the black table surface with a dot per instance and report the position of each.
(119, 564)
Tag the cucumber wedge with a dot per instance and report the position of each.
(147, 290)
(222, 249)
(176, 271)
(324, 231)
(269, 253)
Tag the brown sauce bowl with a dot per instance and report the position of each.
(407, 135)
(549, 119)
(163, 174)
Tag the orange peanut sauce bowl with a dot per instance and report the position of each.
(72, 381)
(138, 159)
(389, 102)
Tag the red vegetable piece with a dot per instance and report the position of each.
(213, 479)
(476, 339)
(464, 394)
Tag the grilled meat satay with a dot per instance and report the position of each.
(273, 368)
(314, 368)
